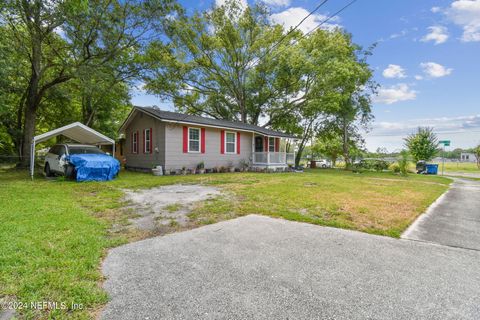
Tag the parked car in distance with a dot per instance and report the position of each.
(320, 164)
(56, 159)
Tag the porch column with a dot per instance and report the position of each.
(294, 144)
(268, 150)
(253, 147)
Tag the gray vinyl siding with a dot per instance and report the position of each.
(142, 160)
(175, 158)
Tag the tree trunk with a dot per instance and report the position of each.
(18, 138)
(346, 151)
(87, 109)
(298, 156)
(32, 99)
(28, 131)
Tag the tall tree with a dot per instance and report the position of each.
(58, 38)
(422, 145)
(334, 89)
(217, 63)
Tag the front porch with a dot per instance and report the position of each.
(272, 152)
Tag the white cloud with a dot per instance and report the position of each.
(446, 124)
(466, 13)
(396, 93)
(277, 3)
(435, 9)
(418, 77)
(435, 70)
(394, 71)
(399, 34)
(438, 34)
(292, 16)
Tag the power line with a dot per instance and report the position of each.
(289, 32)
(330, 17)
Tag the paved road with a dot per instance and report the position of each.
(454, 220)
(257, 267)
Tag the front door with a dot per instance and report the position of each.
(258, 144)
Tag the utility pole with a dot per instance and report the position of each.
(445, 143)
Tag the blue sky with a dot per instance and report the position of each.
(427, 61)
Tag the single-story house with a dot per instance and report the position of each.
(468, 157)
(154, 137)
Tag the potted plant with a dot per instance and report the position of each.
(157, 170)
(184, 171)
(201, 168)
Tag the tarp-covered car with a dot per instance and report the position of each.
(81, 162)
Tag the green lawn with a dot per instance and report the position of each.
(54, 234)
(459, 167)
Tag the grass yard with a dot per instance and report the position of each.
(459, 167)
(54, 234)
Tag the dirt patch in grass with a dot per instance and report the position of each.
(160, 209)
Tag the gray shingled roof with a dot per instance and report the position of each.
(175, 116)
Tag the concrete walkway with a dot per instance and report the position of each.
(454, 220)
(257, 267)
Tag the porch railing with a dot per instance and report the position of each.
(273, 158)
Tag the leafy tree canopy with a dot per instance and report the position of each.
(422, 145)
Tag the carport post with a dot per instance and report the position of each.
(113, 150)
(32, 159)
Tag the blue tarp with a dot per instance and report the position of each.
(94, 167)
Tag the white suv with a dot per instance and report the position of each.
(56, 162)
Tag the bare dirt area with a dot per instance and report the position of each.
(160, 209)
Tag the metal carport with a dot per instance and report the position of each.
(75, 131)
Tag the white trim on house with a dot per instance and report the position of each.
(270, 137)
(234, 142)
(199, 140)
(146, 141)
(135, 142)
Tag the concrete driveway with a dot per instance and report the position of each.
(453, 220)
(257, 267)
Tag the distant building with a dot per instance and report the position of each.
(467, 157)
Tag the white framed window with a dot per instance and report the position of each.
(193, 139)
(271, 144)
(230, 142)
(135, 142)
(147, 141)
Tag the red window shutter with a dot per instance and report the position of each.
(131, 143)
(202, 138)
(238, 142)
(222, 141)
(138, 137)
(151, 141)
(265, 145)
(185, 139)
(143, 141)
(277, 144)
